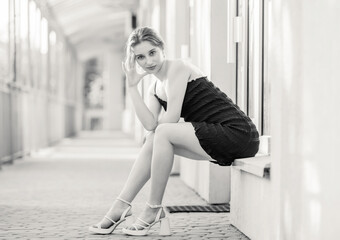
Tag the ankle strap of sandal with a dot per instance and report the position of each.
(153, 206)
(124, 201)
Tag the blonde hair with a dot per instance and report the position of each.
(143, 34)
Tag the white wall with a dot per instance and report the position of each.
(304, 68)
(113, 100)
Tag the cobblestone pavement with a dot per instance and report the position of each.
(60, 191)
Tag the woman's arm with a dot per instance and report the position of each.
(146, 117)
(177, 84)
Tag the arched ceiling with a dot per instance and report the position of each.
(93, 26)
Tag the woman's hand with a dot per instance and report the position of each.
(129, 68)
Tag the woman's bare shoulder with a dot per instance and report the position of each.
(192, 70)
(186, 64)
(179, 67)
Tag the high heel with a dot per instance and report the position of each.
(164, 229)
(99, 230)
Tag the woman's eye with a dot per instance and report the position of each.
(140, 57)
(152, 53)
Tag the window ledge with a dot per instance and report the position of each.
(258, 165)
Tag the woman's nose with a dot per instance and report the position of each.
(148, 60)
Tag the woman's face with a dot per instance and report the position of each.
(148, 56)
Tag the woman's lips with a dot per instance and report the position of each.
(151, 68)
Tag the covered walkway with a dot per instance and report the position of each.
(58, 192)
(61, 78)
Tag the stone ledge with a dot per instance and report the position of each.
(258, 165)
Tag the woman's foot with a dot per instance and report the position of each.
(117, 214)
(151, 215)
(148, 215)
(114, 213)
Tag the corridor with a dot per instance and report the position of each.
(71, 123)
(61, 190)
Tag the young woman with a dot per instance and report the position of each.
(215, 129)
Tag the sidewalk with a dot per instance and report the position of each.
(59, 192)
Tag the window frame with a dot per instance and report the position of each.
(247, 96)
(5, 44)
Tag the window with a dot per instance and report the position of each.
(22, 41)
(4, 40)
(44, 35)
(31, 39)
(200, 34)
(52, 63)
(34, 40)
(252, 83)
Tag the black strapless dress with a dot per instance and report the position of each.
(224, 131)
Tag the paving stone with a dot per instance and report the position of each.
(58, 196)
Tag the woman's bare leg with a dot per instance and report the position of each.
(139, 175)
(169, 138)
(140, 172)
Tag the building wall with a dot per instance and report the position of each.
(40, 79)
(303, 67)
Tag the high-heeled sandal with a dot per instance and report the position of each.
(99, 230)
(164, 224)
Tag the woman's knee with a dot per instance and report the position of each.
(162, 131)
